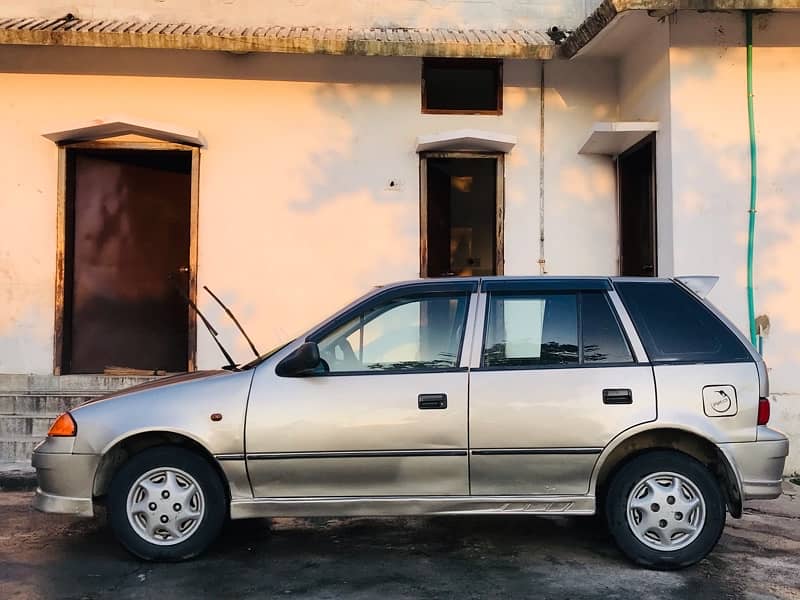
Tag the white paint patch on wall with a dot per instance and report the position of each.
(580, 195)
(644, 95)
(711, 178)
(537, 14)
(295, 215)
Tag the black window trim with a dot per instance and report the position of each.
(634, 359)
(461, 63)
(595, 286)
(454, 289)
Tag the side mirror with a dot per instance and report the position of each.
(303, 361)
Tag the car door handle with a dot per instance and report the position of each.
(432, 401)
(617, 396)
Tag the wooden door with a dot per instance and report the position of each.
(127, 259)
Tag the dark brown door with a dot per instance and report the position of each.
(461, 196)
(128, 234)
(637, 206)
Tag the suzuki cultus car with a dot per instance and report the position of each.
(531, 396)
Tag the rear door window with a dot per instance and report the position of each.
(675, 326)
(541, 330)
(531, 331)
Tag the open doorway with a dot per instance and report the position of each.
(461, 215)
(636, 177)
(127, 260)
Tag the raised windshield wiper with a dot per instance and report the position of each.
(231, 366)
(234, 319)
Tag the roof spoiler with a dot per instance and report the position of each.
(699, 284)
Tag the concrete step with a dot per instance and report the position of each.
(29, 403)
(70, 384)
(41, 404)
(18, 425)
(17, 448)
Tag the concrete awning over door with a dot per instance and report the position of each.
(614, 137)
(98, 129)
(469, 140)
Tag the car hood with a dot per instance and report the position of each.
(161, 382)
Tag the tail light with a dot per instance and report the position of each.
(64, 426)
(763, 411)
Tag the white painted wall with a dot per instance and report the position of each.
(537, 14)
(644, 95)
(295, 215)
(710, 180)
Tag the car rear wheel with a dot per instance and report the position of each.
(665, 510)
(166, 503)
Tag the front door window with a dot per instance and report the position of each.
(401, 334)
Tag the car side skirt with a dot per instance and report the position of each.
(385, 506)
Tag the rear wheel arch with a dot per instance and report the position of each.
(678, 440)
(126, 448)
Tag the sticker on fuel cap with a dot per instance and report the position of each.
(719, 401)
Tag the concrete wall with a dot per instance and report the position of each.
(711, 179)
(296, 215)
(536, 14)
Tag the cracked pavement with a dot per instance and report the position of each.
(504, 556)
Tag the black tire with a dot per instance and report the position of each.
(214, 500)
(635, 471)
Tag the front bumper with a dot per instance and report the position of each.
(760, 464)
(65, 482)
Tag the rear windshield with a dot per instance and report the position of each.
(675, 326)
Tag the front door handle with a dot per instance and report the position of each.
(432, 401)
(617, 396)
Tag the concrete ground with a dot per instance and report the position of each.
(510, 556)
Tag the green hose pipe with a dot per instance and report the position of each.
(751, 229)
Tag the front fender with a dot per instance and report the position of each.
(184, 408)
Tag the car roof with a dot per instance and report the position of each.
(521, 278)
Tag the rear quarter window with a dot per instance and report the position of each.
(675, 326)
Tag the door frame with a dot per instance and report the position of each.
(499, 204)
(64, 220)
(649, 139)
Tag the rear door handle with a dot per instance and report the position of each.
(432, 401)
(617, 396)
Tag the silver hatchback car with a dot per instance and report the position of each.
(532, 396)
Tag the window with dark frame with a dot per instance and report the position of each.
(462, 86)
(541, 330)
(402, 334)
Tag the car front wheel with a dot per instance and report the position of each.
(166, 503)
(665, 510)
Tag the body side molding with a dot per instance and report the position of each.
(410, 505)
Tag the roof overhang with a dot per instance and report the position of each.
(377, 41)
(612, 138)
(610, 11)
(118, 126)
(466, 140)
